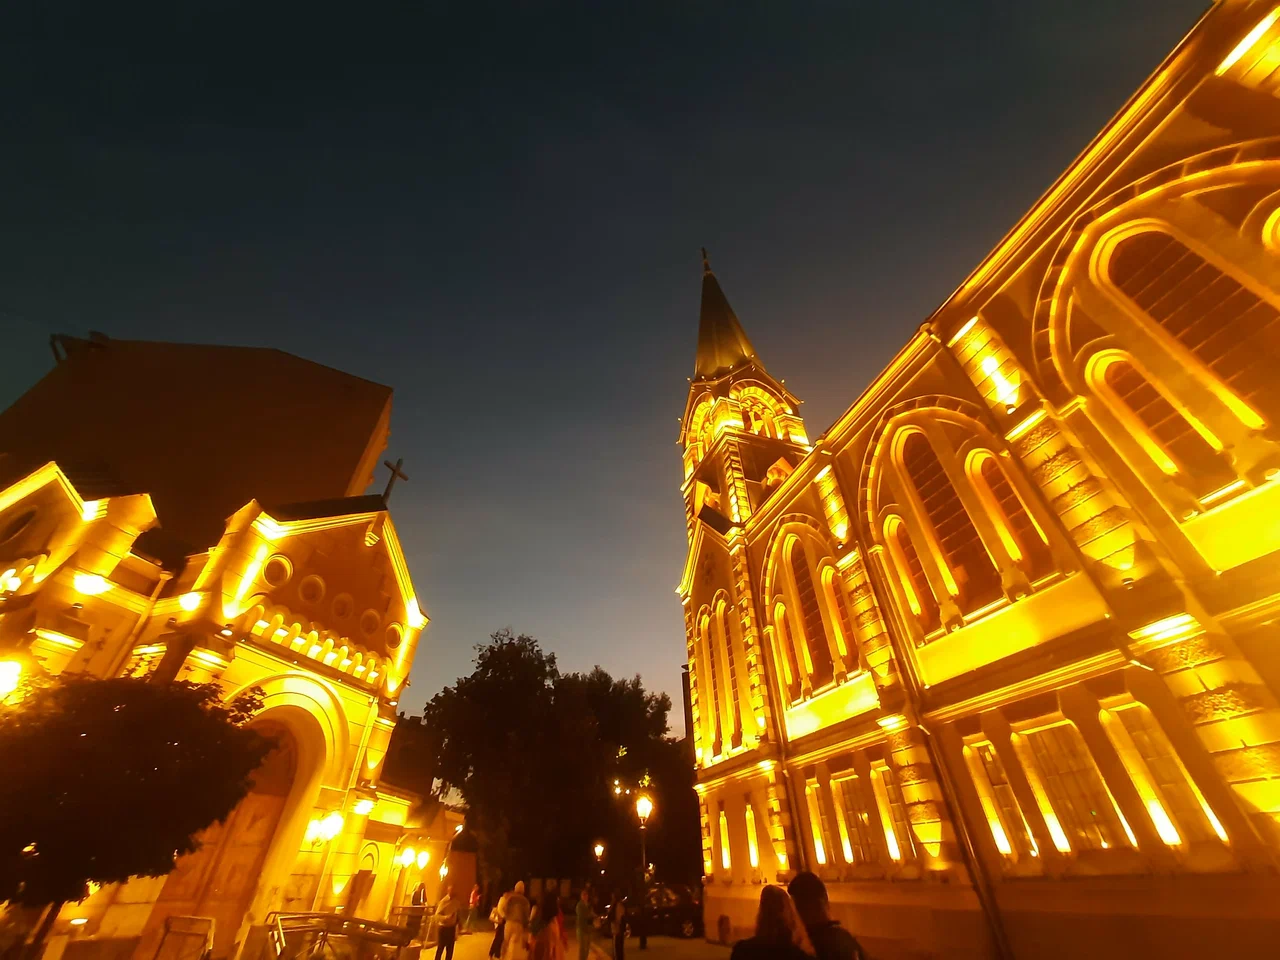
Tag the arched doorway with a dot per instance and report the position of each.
(218, 880)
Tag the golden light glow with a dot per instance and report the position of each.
(1006, 392)
(424, 857)
(895, 721)
(406, 856)
(363, 807)
(1247, 42)
(753, 848)
(968, 325)
(78, 921)
(324, 829)
(190, 601)
(1024, 425)
(90, 584)
(416, 620)
(444, 870)
(237, 607)
(644, 807)
(10, 677)
(58, 639)
(725, 860)
(91, 510)
(815, 822)
(599, 850)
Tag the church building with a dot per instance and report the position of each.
(198, 513)
(997, 655)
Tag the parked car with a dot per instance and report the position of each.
(673, 909)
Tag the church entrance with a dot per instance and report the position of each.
(218, 880)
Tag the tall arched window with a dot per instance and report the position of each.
(817, 653)
(911, 577)
(1024, 539)
(712, 709)
(786, 640)
(1228, 327)
(966, 558)
(833, 592)
(1180, 446)
(725, 640)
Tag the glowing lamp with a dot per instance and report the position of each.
(424, 858)
(189, 602)
(90, 584)
(78, 921)
(444, 870)
(457, 830)
(10, 674)
(364, 807)
(599, 850)
(406, 856)
(644, 807)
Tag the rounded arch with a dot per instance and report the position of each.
(1192, 174)
(292, 695)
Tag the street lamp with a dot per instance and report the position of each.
(644, 807)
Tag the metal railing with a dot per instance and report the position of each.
(331, 936)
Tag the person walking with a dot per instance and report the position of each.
(515, 939)
(473, 911)
(447, 911)
(584, 918)
(548, 943)
(618, 927)
(499, 919)
(780, 934)
(830, 940)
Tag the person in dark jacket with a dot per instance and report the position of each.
(830, 940)
(779, 932)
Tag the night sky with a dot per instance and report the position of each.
(497, 210)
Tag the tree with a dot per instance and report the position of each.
(534, 754)
(110, 779)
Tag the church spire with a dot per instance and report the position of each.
(722, 344)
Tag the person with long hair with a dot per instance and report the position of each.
(548, 943)
(779, 933)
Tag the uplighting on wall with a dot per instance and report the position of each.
(90, 584)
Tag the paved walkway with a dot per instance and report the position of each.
(475, 946)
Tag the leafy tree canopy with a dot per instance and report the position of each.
(109, 779)
(534, 754)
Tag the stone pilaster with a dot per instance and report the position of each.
(908, 756)
(869, 628)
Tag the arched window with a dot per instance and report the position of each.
(911, 577)
(785, 636)
(1180, 446)
(1226, 326)
(1023, 537)
(725, 639)
(966, 558)
(833, 591)
(712, 709)
(817, 653)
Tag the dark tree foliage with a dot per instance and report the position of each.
(534, 754)
(109, 779)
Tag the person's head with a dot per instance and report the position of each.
(448, 889)
(585, 895)
(520, 887)
(777, 923)
(809, 894)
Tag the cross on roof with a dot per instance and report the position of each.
(396, 474)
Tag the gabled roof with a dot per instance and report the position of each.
(722, 343)
(321, 509)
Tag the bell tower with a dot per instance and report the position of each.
(741, 433)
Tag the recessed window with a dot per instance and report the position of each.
(369, 622)
(311, 589)
(277, 571)
(395, 636)
(343, 606)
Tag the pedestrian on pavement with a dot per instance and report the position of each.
(780, 934)
(585, 919)
(618, 927)
(447, 911)
(830, 940)
(548, 944)
(473, 910)
(499, 920)
(515, 940)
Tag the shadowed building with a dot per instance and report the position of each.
(996, 655)
(196, 513)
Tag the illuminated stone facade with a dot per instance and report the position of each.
(998, 654)
(312, 602)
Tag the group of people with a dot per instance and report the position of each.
(525, 931)
(796, 924)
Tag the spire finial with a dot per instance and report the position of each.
(706, 264)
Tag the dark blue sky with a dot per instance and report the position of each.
(496, 209)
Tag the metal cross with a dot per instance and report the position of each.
(396, 474)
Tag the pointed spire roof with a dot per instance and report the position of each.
(722, 344)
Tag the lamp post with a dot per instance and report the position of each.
(644, 807)
(598, 850)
